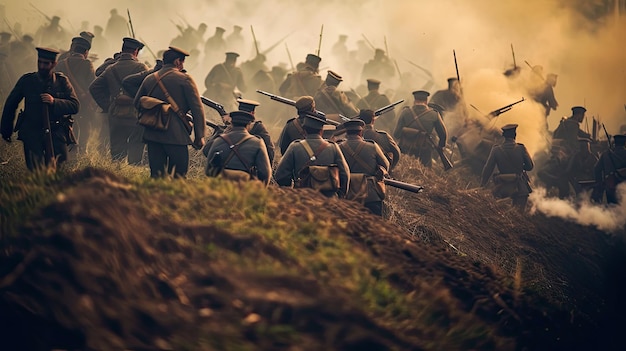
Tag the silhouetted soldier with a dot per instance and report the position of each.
(294, 128)
(39, 90)
(214, 46)
(581, 165)
(234, 41)
(513, 161)
(610, 171)
(383, 139)
(223, 80)
(116, 27)
(380, 67)
(544, 94)
(52, 34)
(333, 101)
(305, 82)
(375, 100)
(569, 130)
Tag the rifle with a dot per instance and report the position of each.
(218, 128)
(264, 52)
(458, 77)
(368, 42)
(386, 48)
(256, 44)
(404, 186)
(535, 72)
(130, 23)
(214, 105)
(12, 30)
(317, 114)
(387, 108)
(430, 75)
(290, 60)
(608, 137)
(149, 50)
(445, 161)
(319, 45)
(513, 53)
(501, 110)
(397, 69)
(41, 12)
(178, 26)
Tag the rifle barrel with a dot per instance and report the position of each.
(404, 186)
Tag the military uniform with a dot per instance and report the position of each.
(569, 130)
(30, 125)
(606, 168)
(222, 80)
(580, 168)
(365, 157)
(331, 100)
(296, 158)
(305, 82)
(380, 67)
(253, 153)
(424, 119)
(375, 100)
(80, 72)
(390, 149)
(125, 134)
(169, 148)
(291, 131)
(512, 159)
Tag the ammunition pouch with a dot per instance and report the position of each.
(154, 113)
(412, 140)
(364, 188)
(122, 106)
(506, 185)
(321, 178)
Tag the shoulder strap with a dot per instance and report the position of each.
(416, 117)
(355, 154)
(234, 149)
(299, 128)
(312, 154)
(230, 77)
(329, 98)
(167, 94)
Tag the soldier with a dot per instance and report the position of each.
(579, 170)
(39, 90)
(88, 36)
(333, 101)
(415, 126)
(293, 129)
(380, 67)
(610, 171)
(241, 151)
(5, 39)
(313, 151)
(367, 164)
(234, 41)
(222, 81)
(449, 98)
(107, 91)
(305, 82)
(569, 130)
(116, 27)
(513, 161)
(52, 34)
(382, 138)
(257, 128)
(80, 72)
(544, 94)
(213, 46)
(340, 49)
(168, 151)
(375, 100)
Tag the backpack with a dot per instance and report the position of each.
(122, 105)
(216, 167)
(321, 178)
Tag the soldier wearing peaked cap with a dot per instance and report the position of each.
(379, 67)
(293, 129)
(415, 126)
(313, 151)
(610, 171)
(214, 46)
(223, 80)
(512, 160)
(375, 100)
(257, 128)
(333, 101)
(237, 154)
(80, 72)
(107, 91)
(168, 151)
(569, 130)
(579, 170)
(368, 165)
(42, 89)
(305, 82)
(383, 139)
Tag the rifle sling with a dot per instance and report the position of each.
(355, 154)
(312, 155)
(234, 150)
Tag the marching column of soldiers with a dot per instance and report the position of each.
(67, 99)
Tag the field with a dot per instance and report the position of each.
(98, 256)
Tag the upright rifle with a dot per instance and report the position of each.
(275, 44)
(318, 114)
(149, 50)
(608, 137)
(256, 44)
(458, 77)
(319, 45)
(368, 42)
(130, 23)
(501, 110)
(293, 68)
(445, 161)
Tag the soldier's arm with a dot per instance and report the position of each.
(99, 90)
(10, 106)
(528, 161)
(344, 171)
(132, 82)
(65, 99)
(241, 82)
(397, 133)
(285, 169)
(195, 105)
(394, 149)
(381, 160)
(263, 163)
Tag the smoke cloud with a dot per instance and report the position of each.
(606, 218)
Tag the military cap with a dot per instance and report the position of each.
(578, 109)
(333, 78)
(620, 139)
(27, 38)
(87, 36)
(420, 95)
(132, 43)
(81, 42)
(304, 103)
(241, 117)
(354, 124)
(173, 53)
(343, 36)
(232, 55)
(313, 60)
(509, 127)
(237, 28)
(379, 52)
(247, 105)
(452, 80)
(47, 53)
(5, 35)
(314, 122)
(366, 115)
(220, 29)
(373, 83)
(55, 19)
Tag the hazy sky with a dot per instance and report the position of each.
(588, 58)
